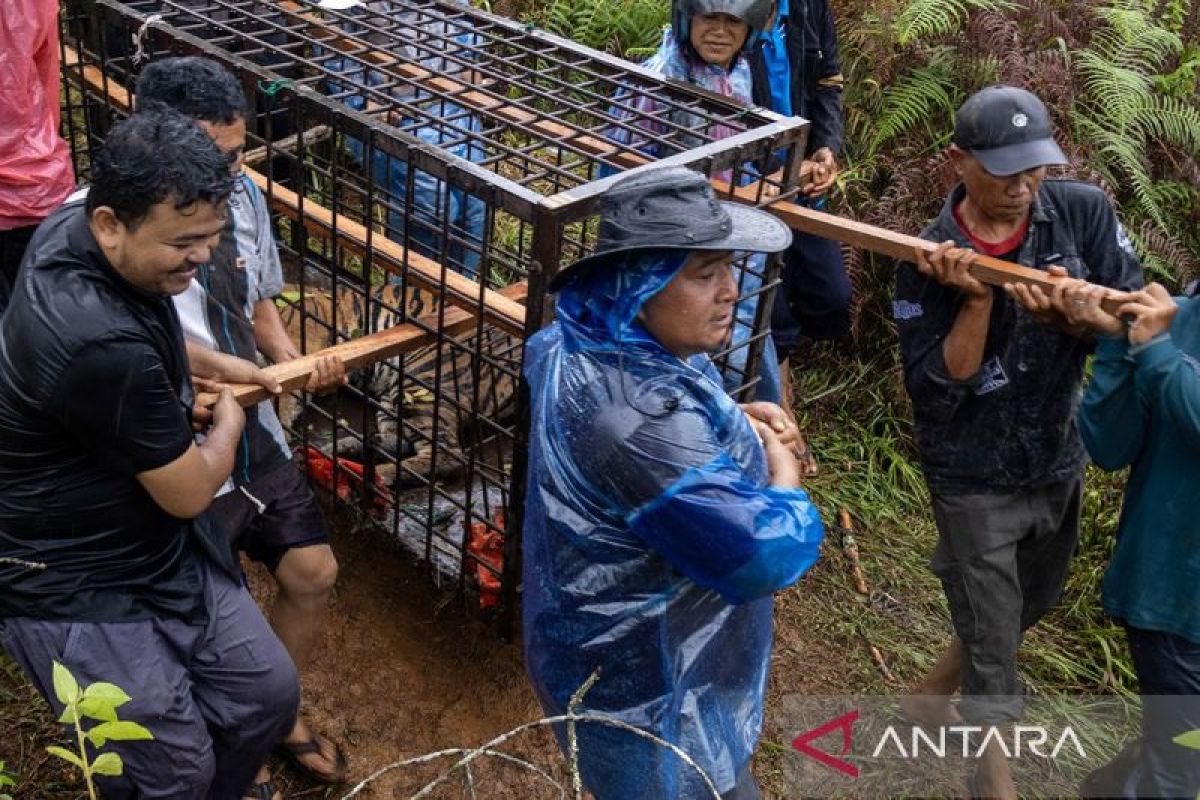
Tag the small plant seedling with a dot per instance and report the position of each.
(98, 701)
(6, 780)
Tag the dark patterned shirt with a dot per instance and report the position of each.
(1010, 426)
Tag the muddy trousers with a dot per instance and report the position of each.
(217, 696)
(1002, 560)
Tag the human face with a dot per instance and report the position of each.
(230, 139)
(718, 37)
(160, 253)
(996, 200)
(694, 312)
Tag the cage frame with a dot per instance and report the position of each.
(547, 214)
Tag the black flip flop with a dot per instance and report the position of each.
(260, 791)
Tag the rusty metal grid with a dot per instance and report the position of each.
(439, 431)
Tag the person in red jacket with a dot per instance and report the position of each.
(35, 163)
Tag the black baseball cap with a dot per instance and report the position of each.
(1008, 130)
(674, 208)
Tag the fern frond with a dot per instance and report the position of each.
(1172, 121)
(928, 95)
(923, 19)
(1118, 92)
(1132, 39)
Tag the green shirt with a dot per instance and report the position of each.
(1143, 409)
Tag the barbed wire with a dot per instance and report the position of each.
(571, 719)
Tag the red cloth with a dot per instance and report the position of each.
(997, 249)
(35, 163)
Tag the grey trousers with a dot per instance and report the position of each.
(217, 697)
(1002, 560)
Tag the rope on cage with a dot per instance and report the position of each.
(139, 55)
(274, 87)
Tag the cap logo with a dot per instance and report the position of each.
(1019, 120)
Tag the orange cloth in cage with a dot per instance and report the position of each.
(487, 546)
(345, 479)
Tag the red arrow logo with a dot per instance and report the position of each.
(846, 724)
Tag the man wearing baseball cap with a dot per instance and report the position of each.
(994, 378)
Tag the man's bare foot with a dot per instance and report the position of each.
(930, 710)
(993, 780)
(315, 754)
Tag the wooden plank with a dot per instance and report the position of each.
(457, 289)
(986, 269)
(365, 350)
(288, 143)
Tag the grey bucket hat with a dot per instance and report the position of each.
(674, 208)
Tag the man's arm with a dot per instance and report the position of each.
(962, 350)
(224, 368)
(1168, 379)
(118, 402)
(825, 115)
(186, 486)
(926, 312)
(270, 335)
(1107, 253)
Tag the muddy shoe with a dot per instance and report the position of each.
(1110, 780)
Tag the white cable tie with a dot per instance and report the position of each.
(259, 504)
(139, 55)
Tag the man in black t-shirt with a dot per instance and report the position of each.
(104, 569)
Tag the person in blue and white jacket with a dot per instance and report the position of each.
(266, 508)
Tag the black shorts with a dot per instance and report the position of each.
(275, 513)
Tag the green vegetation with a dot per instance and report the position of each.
(1120, 79)
(631, 28)
(6, 781)
(98, 701)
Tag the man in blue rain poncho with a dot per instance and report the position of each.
(660, 517)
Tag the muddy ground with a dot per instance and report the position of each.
(403, 671)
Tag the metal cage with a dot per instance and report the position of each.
(429, 166)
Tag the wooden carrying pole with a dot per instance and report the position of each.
(365, 350)
(986, 269)
(503, 308)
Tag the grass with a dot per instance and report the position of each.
(853, 409)
(27, 729)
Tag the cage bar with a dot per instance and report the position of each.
(429, 167)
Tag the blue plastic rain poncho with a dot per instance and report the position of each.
(652, 542)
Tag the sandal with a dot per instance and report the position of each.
(262, 791)
(295, 751)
